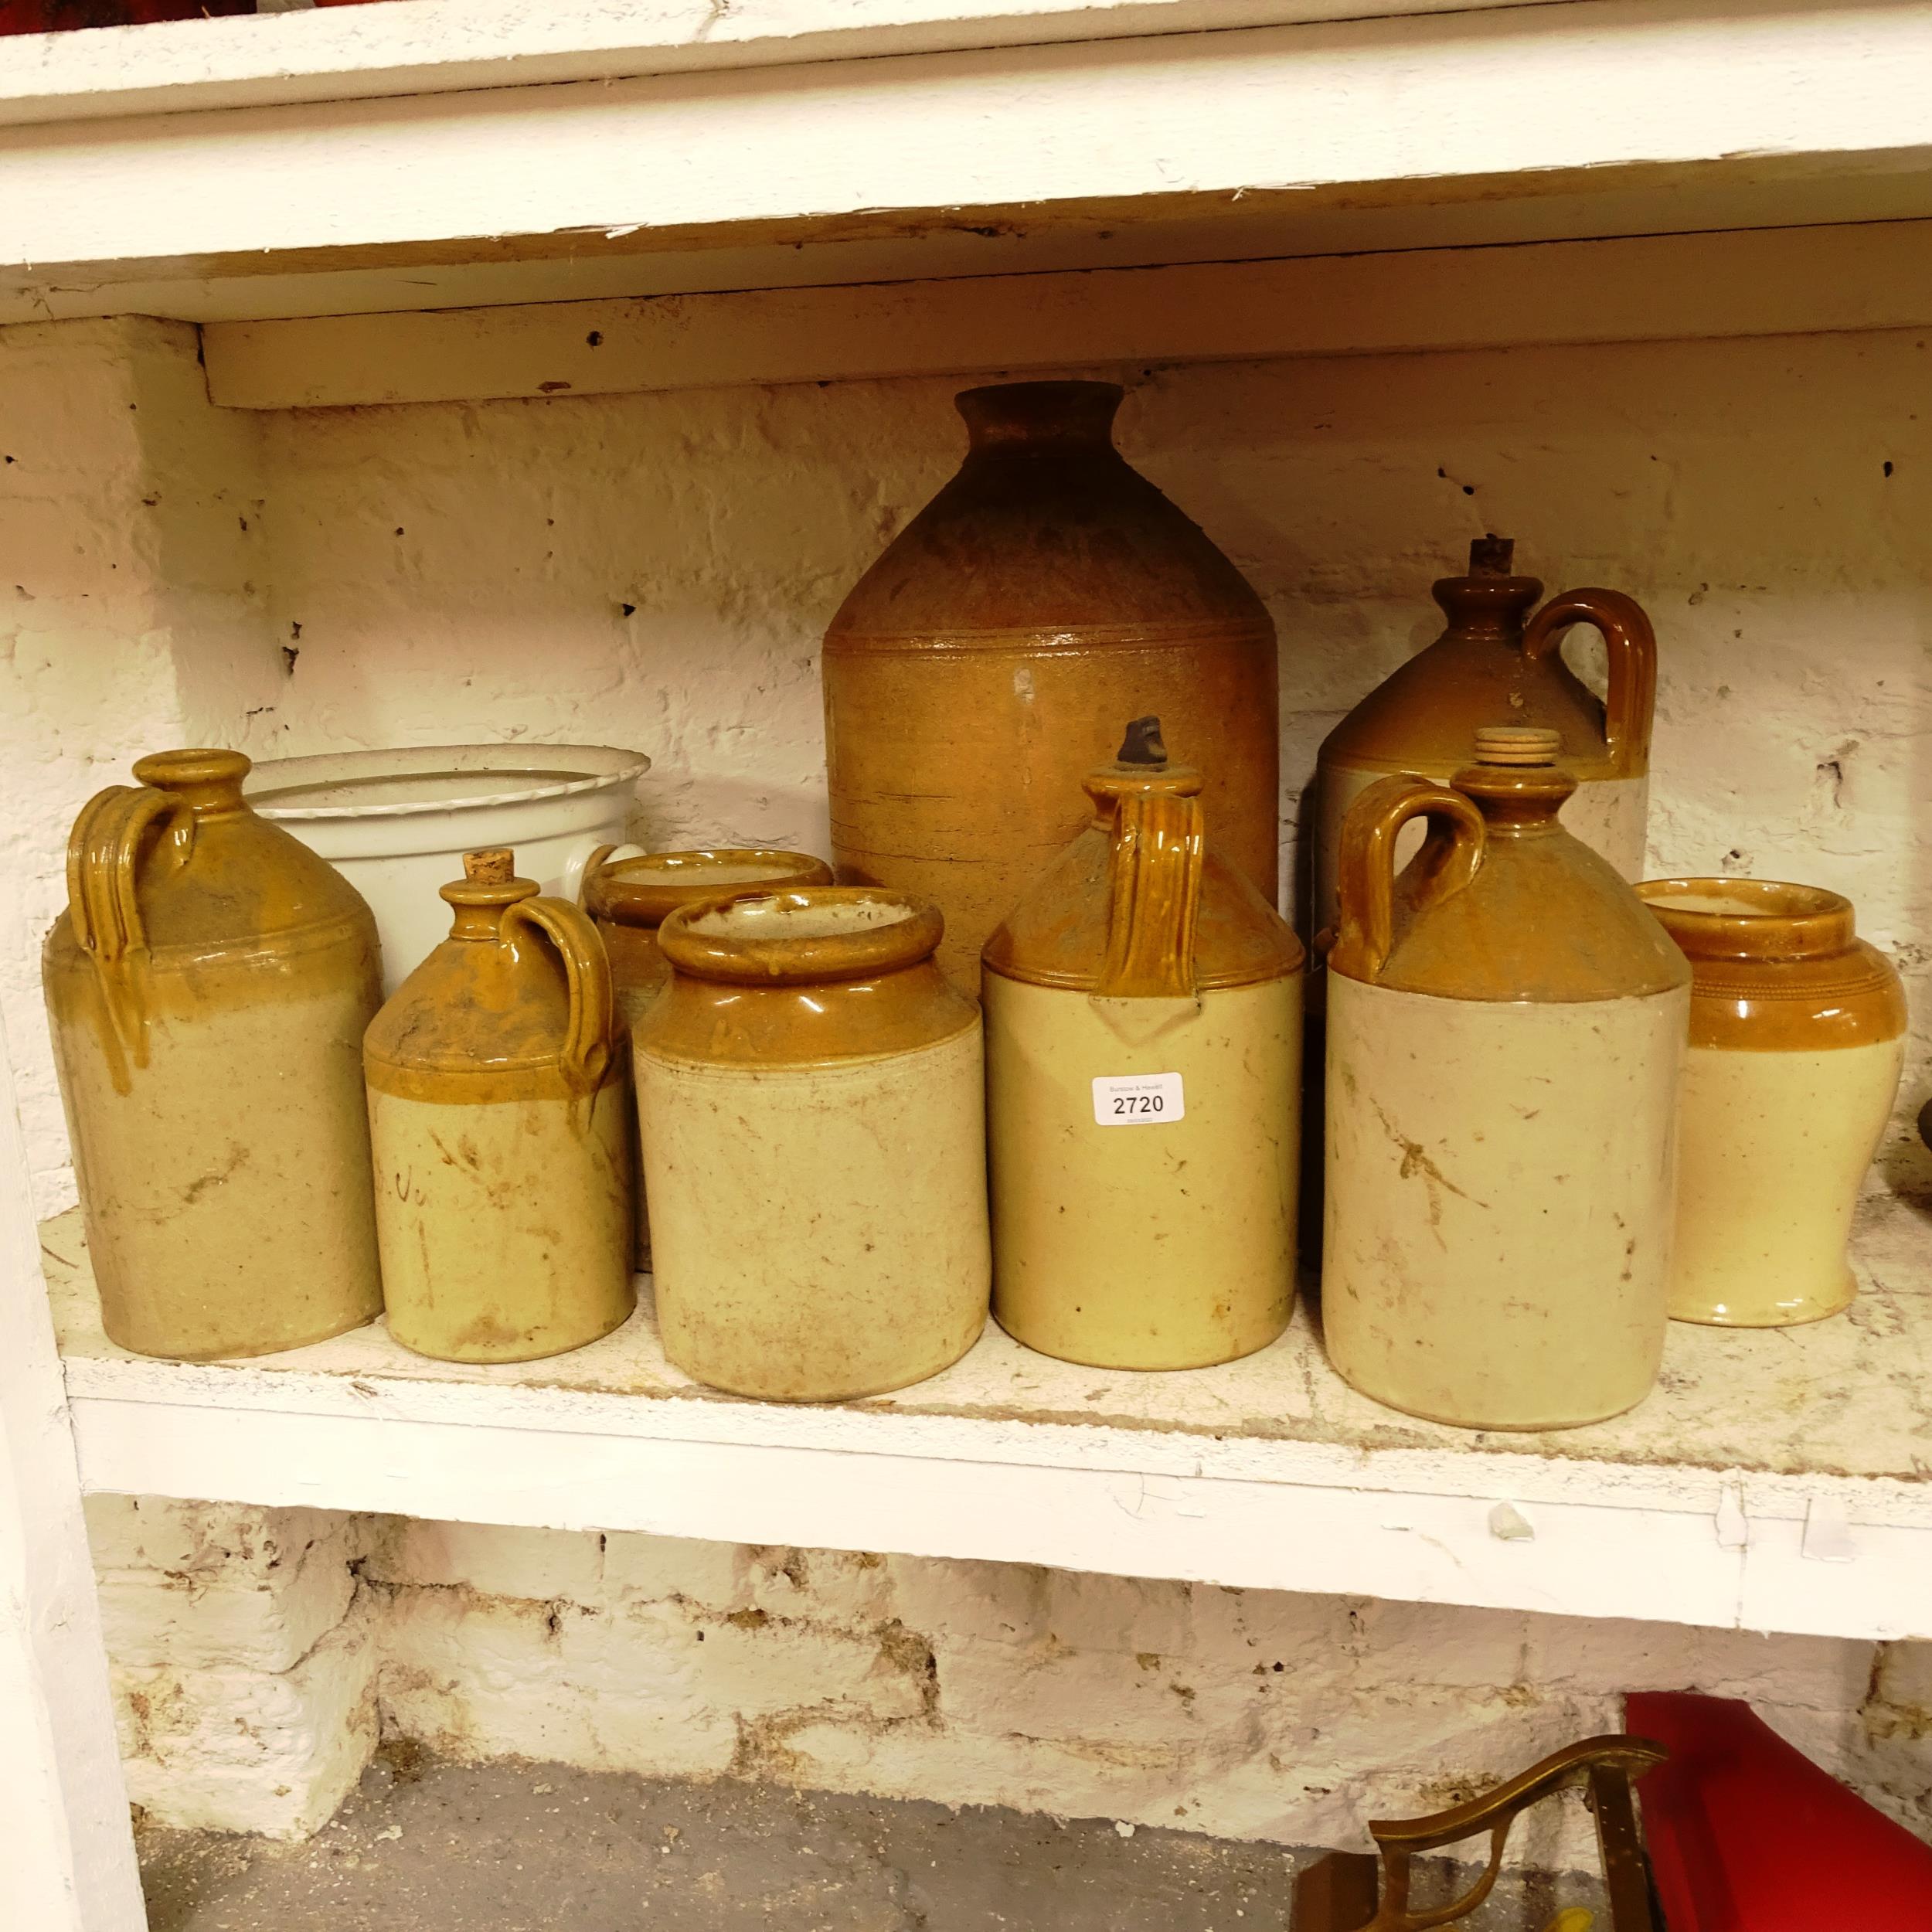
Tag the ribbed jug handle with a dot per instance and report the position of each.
(1365, 875)
(103, 907)
(1631, 699)
(1154, 879)
(585, 1056)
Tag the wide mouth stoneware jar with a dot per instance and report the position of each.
(1797, 1041)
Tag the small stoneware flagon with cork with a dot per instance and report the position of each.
(1506, 1032)
(208, 985)
(1797, 1043)
(1143, 1047)
(1499, 661)
(982, 666)
(499, 1107)
(811, 1093)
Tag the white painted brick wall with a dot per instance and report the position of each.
(663, 566)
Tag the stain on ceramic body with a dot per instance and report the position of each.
(1506, 1038)
(208, 985)
(1797, 1043)
(1495, 661)
(981, 667)
(811, 1095)
(499, 1110)
(1144, 1040)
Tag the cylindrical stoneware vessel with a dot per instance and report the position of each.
(209, 984)
(981, 668)
(1495, 660)
(1506, 1032)
(811, 1087)
(629, 899)
(499, 1106)
(1797, 1042)
(1143, 1059)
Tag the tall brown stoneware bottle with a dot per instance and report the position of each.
(980, 669)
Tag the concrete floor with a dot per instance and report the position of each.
(425, 1846)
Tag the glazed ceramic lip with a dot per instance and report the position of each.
(200, 765)
(814, 933)
(1074, 412)
(646, 891)
(413, 781)
(1750, 919)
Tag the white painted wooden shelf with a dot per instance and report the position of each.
(1776, 1480)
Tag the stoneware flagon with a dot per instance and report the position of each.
(1506, 1032)
(499, 1106)
(1143, 1046)
(1499, 658)
(1797, 1043)
(811, 1087)
(981, 668)
(209, 984)
(629, 899)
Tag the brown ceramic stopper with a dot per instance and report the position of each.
(1492, 557)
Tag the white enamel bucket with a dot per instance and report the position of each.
(397, 824)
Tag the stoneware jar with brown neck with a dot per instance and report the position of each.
(1500, 659)
(1143, 1062)
(1797, 1042)
(499, 1106)
(1506, 1033)
(982, 666)
(629, 899)
(811, 1087)
(209, 984)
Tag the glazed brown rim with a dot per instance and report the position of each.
(860, 954)
(1796, 922)
(607, 894)
(197, 765)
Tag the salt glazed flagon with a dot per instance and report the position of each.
(1797, 1043)
(1506, 1033)
(1499, 660)
(208, 984)
(1144, 1041)
(811, 1094)
(981, 667)
(499, 1103)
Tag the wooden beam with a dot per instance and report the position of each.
(1752, 282)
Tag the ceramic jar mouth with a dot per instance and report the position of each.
(645, 891)
(1750, 918)
(1006, 415)
(812, 933)
(205, 778)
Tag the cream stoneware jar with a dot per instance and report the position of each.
(1506, 1034)
(630, 896)
(499, 1107)
(209, 984)
(811, 1090)
(1143, 1051)
(1797, 1042)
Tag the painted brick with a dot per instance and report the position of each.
(653, 1568)
(536, 1564)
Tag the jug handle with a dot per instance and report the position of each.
(1630, 699)
(103, 908)
(585, 1057)
(1366, 876)
(1154, 879)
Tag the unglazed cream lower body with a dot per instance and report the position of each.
(1496, 1250)
(818, 1232)
(1157, 1243)
(506, 1224)
(227, 1191)
(1774, 1147)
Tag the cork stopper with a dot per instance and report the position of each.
(1491, 556)
(1517, 745)
(493, 866)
